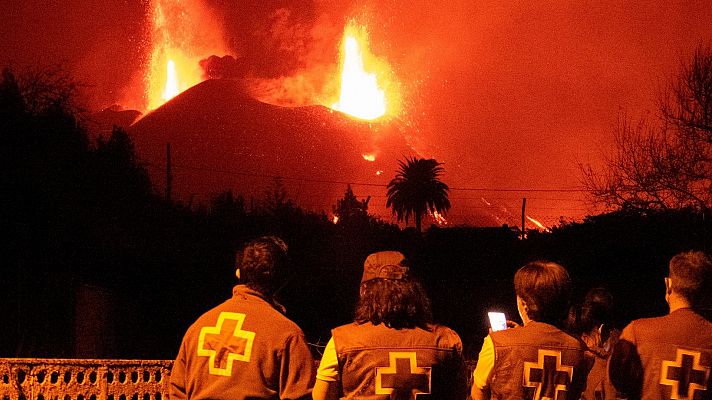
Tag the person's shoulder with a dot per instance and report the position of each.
(442, 330)
(648, 323)
(281, 322)
(446, 336)
(352, 326)
(209, 317)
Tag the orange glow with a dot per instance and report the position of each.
(439, 218)
(177, 49)
(335, 219)
(369, 157)
(537, 223)
(171, 89)
(367, 91)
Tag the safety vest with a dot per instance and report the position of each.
(538, 361)
(377, 362)
(675, 354)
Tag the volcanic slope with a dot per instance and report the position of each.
(221, 138)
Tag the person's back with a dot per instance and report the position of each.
(408, 360)
(539, 360)
(392, 349)
(593, 322)
(670, 357)
(245, 348)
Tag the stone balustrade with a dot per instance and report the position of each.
(69, 379)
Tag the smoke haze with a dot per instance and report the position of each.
(510, 95)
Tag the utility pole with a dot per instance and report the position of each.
(169, 174)
(524, 218)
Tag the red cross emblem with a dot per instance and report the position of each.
(548, 376)
(685, 374)
(225, 342)
(403, 379)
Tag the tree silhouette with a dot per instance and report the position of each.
(350, 209)
(416, 189)
(664, 163)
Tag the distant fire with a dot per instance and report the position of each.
(367, 91)
(439, 218)
(183, 33)
(538, 224)
(369, 157)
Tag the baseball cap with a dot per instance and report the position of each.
(384, 265)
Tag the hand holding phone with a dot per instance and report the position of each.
(498, 321)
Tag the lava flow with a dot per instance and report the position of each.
(367, 89)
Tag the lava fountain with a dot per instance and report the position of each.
(367, 86)
(177, 49)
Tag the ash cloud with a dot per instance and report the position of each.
(226, 67)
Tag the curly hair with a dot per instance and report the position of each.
(395, 303)
(262, 263)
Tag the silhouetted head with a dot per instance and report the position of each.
(543, 290)
(596, 310)
(390, 295)
(262, 264)
(690, 277)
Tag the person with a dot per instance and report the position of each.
(392, 350)
(245, 348)
(593, 322)
(670, 357)
(538, 360)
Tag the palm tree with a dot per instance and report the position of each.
(416, 189)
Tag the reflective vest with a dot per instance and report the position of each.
(377, 362)
(538, 361)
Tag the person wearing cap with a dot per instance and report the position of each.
(392, 350)
(245, 348)
(538, 360)
(670, 357)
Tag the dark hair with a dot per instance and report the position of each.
(596, 310)
(262, 263)
(395, 303)
(546, 288)
(691, 274)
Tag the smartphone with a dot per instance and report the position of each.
(498, 321)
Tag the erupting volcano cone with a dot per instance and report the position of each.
(221, 139)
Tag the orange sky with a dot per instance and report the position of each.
(511, 95)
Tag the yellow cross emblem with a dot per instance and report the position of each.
(548, 377)
(685, 374)
(403, 379)
(225, 342)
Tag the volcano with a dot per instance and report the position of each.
(221, 138)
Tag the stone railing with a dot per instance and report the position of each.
(59, 379)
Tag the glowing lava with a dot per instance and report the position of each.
(365, 80)
(538, 224)
(183, 33)
(171, 89)
(439, 218)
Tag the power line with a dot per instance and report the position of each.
(312, 180)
